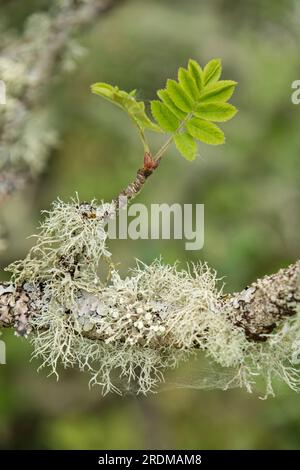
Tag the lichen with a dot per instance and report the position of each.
(128, 332)
(68, 249)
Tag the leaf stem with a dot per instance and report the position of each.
(143, 139)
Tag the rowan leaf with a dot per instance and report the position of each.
(215, 111)
(126, 101)
(165, 118)
(205, 131)
(186, 108)
(186, 145)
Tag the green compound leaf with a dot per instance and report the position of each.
(186, 108)
(165, 118)
(212, 72)
(186, 145)
(127, 101)
(214, 111)
(205, 131)
(189, 107)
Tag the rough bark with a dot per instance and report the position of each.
(258, 309)
(267, 301)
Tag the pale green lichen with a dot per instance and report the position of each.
(128, 332)
(68, 249)
(277, 358)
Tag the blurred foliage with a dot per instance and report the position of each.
(250, 188)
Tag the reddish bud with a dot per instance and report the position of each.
(149, 162)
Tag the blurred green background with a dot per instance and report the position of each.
(250, 188)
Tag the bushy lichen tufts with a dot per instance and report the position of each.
(68, 248)
(127, 332)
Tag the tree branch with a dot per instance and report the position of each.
(257, 310)
(134, 188)
(27, 88)
(266, 302)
